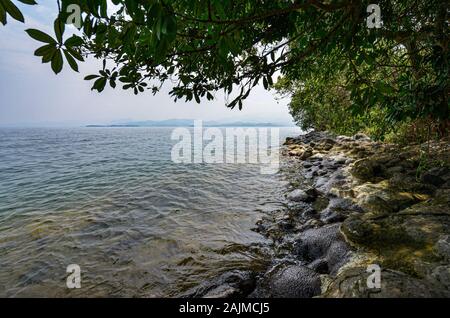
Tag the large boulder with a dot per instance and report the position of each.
(288, 281)
(326, 244)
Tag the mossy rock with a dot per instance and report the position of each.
(367, 170)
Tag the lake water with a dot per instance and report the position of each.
(112, 201)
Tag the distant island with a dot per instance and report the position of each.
(189, 123)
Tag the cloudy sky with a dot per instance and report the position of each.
(31, 95)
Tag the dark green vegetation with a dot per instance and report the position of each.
(343, 76)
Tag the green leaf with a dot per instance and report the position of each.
(12, 10)
(40, 36)
(49, 56)
(265, 83)
(75, 54)
(74, 40)
(57, 62)
(59, 27)
(72, 63)
(30, 2)
(2, 14)
(91, 77)
(45, 50)
(99, 84)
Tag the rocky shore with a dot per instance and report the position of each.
(353, 204)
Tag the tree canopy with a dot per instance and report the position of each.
(321, 49)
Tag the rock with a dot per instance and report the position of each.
(288, 281)
(395, 169)
(408, 240)
(324, 144)
(338, 210)
(307, 165)
(320, 266)
(230, 284)
(298, 195)
(353, 283)
(366, 169)
(381, 198)
(306, 154)
(322, 243)
(361, 137)
(311, 224)
(433, 176)
(332, 217)
(289, 141)
(443, 247)
(301, 195)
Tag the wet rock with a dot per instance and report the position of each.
(298, 195)
(307, 164)
(288, 281)
(310, 224)
(389, 216)
(322, 243)
(319, 266)
(230, 284)
(302, 195)
(338, 210)
(353, 283)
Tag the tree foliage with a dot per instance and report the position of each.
(323, 49)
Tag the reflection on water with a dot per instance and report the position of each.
(111, 201)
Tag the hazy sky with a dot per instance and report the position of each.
(30, 94)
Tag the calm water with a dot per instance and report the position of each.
(112, 201)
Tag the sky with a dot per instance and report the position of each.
(32, 95)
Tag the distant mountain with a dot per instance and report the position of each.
(188, 123)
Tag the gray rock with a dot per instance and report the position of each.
(319, 266)
(307, 165)
(395, 169)
(433, 176)
(338, 210)
(443, 247)
(288, 281)
(298, 195)
(353, 283)
(230, 284)
(361, 137)
(323, 243)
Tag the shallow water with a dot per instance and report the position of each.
(112, 201)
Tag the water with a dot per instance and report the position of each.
(112, 201)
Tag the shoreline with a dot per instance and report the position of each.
(354, 205)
